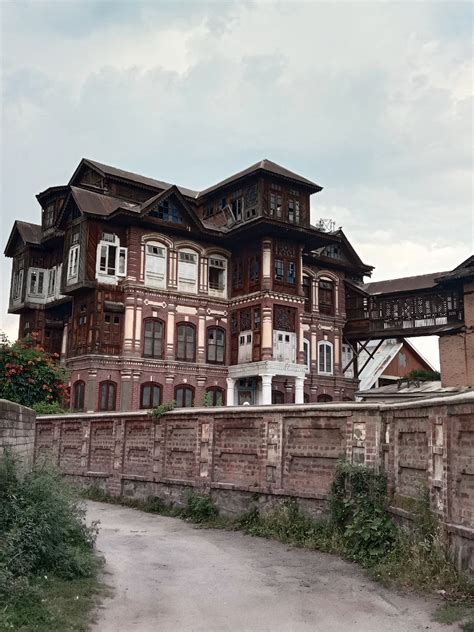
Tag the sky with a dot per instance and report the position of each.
(373, 101)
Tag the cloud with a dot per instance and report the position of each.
(371, 100)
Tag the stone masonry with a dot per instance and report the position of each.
(17, 430)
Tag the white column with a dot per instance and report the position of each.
(299, 390)
(64, 344)
(230, 391)
(266, 390)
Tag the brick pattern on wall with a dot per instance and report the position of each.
(17, 430)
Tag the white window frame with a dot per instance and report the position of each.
(284, 346)
(156, 278)
(17, 285)
(187, 283)
(220, 263)
(52, 277)
(73, 264)
(322, 349)
(307, 354)
(119, 263)
(347, 356)
(35, 293)
(245, 346)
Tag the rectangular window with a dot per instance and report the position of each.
(217, 276)
(275, 205)
(254, 270)
(52, 282)
(155, 265)
(237, 207)
(284, 346)
(294, 211)
(187, 271)
(245, 346)
(36, 282)
(325, 351)
(291, 273)
(237, 275)
(279, 270)
(17, 284)
(73, 264)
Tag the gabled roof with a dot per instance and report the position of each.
(172, 190)
(267, 166)
(29, 233)
(404, 284)
(463, 271)
(93, 203)
(129, 175)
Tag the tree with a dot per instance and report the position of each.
(30, 376)
(424, 375)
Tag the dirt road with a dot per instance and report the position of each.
(168, 576)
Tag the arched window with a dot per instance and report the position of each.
(107, 395)
(215, 345)
(326, 297)
(307, 283)
(278, 397)
(187, 270)
(216, 395)
(324, 397)
(184, 396)
(153, 338)
(325, 358)
(150, 395)
(186, 342)
(156, 264)
(307, 354)
(78, 391)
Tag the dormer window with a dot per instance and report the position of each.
(111, 259)
(237, 208)
(167, 211)
(48, 216)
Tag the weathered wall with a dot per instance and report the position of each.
(260, 455)
(17, 430)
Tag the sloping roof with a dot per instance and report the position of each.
(29, 233)
(269, 167)
(97, 204)
(377, 365)
(423, 390)
(404, 284)
(464, 270)
(135, 177)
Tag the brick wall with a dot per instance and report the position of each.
(260, 455)
(17, 430)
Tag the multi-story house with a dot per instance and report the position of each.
(151, 292)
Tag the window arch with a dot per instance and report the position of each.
(150, 395)
(326, 302)
(184, 396)
(78, 393)
(186, 342)
(215, 345)
(216, 395)
(324, 397)
(325, 358)
(107, 395)
(153, 338)
(156, 264)
(188, 260)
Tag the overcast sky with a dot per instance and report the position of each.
(371, 100)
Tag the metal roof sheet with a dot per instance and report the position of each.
(404, 284)
(99, 204)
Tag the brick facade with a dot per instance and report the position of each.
(243, 456)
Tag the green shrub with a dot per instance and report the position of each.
(159, 411)
(42, 534)
(48, 408)
(199, 509)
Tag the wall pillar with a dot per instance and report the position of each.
(230, 391)
(299, 390)
(266, 390)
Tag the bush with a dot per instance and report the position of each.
(42, 534)
(29, 375)
(199, 509)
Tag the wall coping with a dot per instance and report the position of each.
(463, 398)
(6, 404)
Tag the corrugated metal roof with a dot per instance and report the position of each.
(30, 233)
(377, 365)
(135, 177)
(424, 389)
(98, 204)
(404, 284)
(263, 165)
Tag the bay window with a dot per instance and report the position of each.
(111, 259)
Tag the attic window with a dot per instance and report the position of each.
(48, 216)
(167, 211)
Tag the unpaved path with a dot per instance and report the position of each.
(168, 576)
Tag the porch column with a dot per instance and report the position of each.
(299, 390)
(230, 391)
(267, 390)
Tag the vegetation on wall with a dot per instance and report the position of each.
(48, 570)
(423, 375)
(32, 377)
